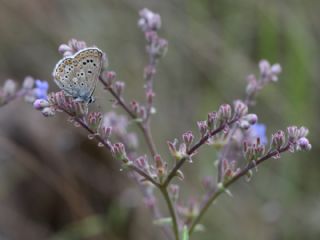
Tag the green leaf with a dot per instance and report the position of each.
(185, 233)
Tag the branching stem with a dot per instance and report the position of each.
(215, 194)
(192, 150)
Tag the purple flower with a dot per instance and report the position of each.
(258, 130)
(41, 89)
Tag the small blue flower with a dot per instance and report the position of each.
(41, 89)
(259, 130)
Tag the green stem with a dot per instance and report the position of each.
(172, 212)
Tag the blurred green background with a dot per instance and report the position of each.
(54, 182)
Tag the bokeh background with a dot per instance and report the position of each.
(54, 182)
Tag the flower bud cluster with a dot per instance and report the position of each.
(297, 138)
(94, 119)
(229, 170)
(30, 90)
(254, 151)
(268, 73)
(71, 47)
(139, 110)
(150, 23)
(224, 114)
(157, 46)
(143, 163)
(119, 152)
(109, 79)
(118, 124)
(240, 108)
(59, 101)
(278, 140)
(248, 120)
(179, 151)
(158, 170)
(203, 128)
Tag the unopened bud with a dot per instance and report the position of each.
(188, 138)
(240, 108)
(119, 87)
(119, 152)
(277, 140)
(293, 133)
(94, 119)
(149, 21)
(64, 48)
(211, 120)
(259, 151)
(142, 163)
(303, 132)
(109, 77)
(105, 132)
(303, 144)
(160, 166)
(39, 104)
(224, 113)
(203, 127)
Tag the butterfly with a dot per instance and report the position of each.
(77, 75)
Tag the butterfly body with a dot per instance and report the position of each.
(77, 75)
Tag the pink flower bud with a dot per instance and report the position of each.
(188, 138)
(211, 120)
(240, 108)
(119, 87)
(303, 144)
(277, 140)
(39, 104)
(203, 127)
(224, 113)
(109, 76)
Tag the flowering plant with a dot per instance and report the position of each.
(232, 129)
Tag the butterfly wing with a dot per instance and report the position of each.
(62, 75)
(77, 75)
